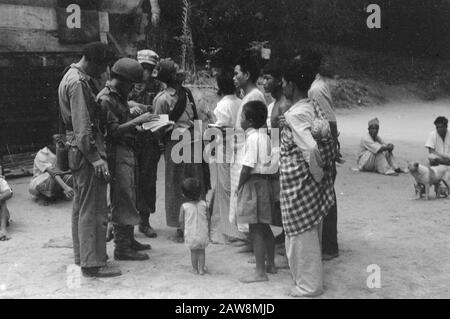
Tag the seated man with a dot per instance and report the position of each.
(50, 183)
(374, 155)
(5, 194)
(438, 144)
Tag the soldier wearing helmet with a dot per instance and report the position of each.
(121, 130)
(148, 143)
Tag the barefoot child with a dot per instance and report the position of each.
(255, 198)
(5, 194)
(194, 221)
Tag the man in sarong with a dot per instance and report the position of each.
(178, 103)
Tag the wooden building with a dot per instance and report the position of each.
(38, 39)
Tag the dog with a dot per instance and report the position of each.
(437, 176)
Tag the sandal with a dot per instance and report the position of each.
(179, 238)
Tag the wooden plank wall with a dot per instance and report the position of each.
(29, 101)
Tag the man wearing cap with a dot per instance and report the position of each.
(374, 154)
(121, 132)
(141, 97)
(87, 159)
(148, 150)
(178, 103)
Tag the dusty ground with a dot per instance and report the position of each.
(378, 224)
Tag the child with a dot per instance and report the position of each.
(194, 221)
(255, 198)
(5, 194)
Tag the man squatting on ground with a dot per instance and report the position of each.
(374, 154)
(49, 182)
(121, 133)
(87, 159)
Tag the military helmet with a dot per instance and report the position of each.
(129, 69)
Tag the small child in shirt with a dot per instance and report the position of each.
(255, 195)
(5, 194)
(195, 221)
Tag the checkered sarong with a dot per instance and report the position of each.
(304, 202)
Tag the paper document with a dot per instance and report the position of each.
(156, 125)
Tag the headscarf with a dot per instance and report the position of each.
(374, 121)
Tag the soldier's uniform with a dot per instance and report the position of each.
(144, 93)
(148, 153)
(122, 164)
(81, 116)
(149, 145)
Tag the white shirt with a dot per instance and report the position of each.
(226, 115)
(226, 110)
(257, 151)
(435, 142)
(4, 187)
(44, 160)
(300, 118)
(275, 137)
(269, 114)
(320, 93)
(253, 95)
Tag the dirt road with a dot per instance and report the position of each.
(378, 224)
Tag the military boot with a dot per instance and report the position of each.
(135, 245)
(123, 244)
(129, 254)
(144, 225)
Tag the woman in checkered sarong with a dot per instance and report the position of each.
(306, 181)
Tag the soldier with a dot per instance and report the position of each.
(121, 132)
(87, 159)
(148, 152)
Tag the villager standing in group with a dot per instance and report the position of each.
(226, 115)
(254, 193)
(246, 73)
(306, 187)
(178, 103)
(121, 133)
(148, 148)
(273, 84)
(321, 94)
(87, 159)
